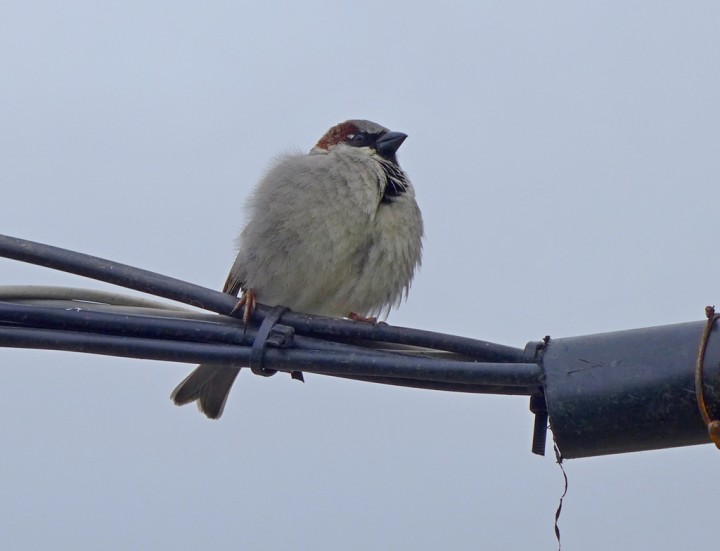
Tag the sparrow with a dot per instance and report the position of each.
(334, 232)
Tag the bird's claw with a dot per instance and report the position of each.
(246, 303)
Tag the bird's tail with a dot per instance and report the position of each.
(209, 385)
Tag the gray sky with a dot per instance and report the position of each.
(565, 157)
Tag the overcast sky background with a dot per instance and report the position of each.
(567, 161)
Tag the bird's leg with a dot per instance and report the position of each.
(248, 301)
(357, 317)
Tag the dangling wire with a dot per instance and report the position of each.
(713, 426)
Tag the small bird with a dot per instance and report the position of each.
(335, 232)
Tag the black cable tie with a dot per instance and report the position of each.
(539, 408)
(278, 336)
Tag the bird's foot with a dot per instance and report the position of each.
(248, 302)
(357, 317)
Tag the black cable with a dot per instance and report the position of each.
(91, 318)
(116, 273)
(526, 377)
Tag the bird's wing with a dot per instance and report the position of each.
(236, 279)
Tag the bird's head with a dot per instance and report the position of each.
(376, 139)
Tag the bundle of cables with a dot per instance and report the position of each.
(276, 339)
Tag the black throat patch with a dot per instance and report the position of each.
(396, 182)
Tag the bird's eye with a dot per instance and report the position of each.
(359, 140)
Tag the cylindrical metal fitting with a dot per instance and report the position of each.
(629, 390)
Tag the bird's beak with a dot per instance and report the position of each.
(390, 142)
